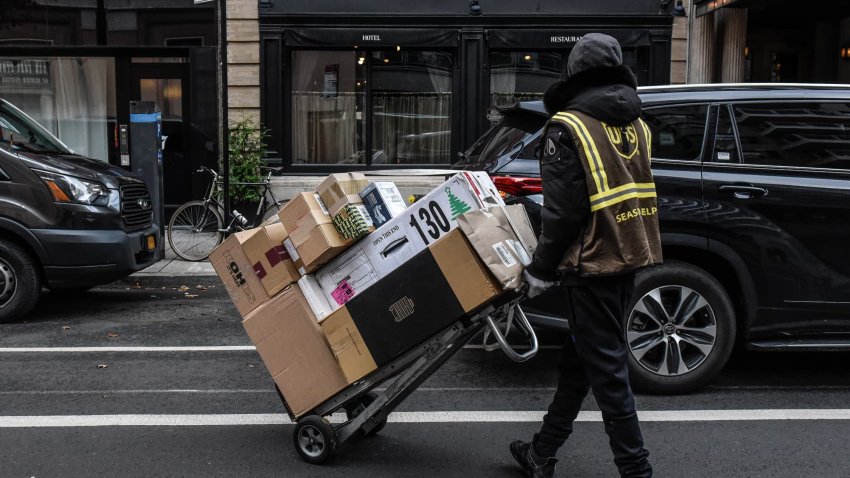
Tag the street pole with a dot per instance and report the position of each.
(223, 131)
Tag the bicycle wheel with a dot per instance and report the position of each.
(194, 230)
(272, 210)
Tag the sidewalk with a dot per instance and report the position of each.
(173, 266)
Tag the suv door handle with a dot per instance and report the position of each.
(743, 191)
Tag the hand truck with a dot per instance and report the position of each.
(366, 411)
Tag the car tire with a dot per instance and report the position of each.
(20, 282)
(680, 329)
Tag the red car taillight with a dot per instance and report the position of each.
(513, 186)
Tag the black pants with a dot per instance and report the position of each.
(595, 358)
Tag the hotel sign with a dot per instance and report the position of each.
(24, 74)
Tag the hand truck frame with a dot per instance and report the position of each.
(366, 411)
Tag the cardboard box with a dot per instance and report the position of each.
(315, 298)
(505, 243)
(353, 221)
(236, 272)
(313, 247)
(383, 201)
(295, 351)
(409, 306)
(339, 189)
(269, 259)
(402, 237)
(303, 204)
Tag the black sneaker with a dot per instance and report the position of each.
(524, 457)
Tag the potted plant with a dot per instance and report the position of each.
(246, 148)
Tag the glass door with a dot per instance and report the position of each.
(167, 86)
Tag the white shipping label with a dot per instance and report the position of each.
(365, 214)
(519, 251)
(505, 255)
(290, 248)
(322, 205)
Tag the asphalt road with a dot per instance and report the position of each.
(71, 405)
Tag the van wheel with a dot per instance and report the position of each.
(680, 329)
(20, 283)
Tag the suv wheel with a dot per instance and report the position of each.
(680, 329)
(20, 284)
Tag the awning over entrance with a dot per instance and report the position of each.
(566, 38)
(365, 37)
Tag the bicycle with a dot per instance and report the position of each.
(197, 227)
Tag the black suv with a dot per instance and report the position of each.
(66, 221)
(754, 202)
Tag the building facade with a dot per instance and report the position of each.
(386, 84)
(75, 65)
(765, 41)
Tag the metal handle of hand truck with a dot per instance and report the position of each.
(503, 344)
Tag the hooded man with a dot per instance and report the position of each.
(599, 226)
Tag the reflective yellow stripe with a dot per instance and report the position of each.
(620, 199)
(594, 160)
(648, 135)
(618, 189)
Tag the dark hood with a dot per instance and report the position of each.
(598, 85)
(607, 94)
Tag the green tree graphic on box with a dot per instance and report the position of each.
(458, 206)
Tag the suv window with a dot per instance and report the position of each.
(677, 131)
(514, 131)
(813, 135)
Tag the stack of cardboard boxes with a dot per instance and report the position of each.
(301, 285)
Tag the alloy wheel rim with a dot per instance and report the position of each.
(671, 330)
(8, 283)
(311, 441)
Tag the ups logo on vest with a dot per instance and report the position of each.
(615, 136)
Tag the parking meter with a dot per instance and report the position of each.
(146, 158)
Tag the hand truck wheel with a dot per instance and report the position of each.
(351, 411)
(314, 439)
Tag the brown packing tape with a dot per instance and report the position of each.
(348, 346)
(471, 282)
(301, 205)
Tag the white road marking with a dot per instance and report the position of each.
(55, 421)
(258, 390)
(199, 348)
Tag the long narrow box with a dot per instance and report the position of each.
(408, 306)
(402, 237)
(295, 351)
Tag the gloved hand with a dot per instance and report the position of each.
(535, 286)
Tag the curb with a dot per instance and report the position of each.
(165, 280)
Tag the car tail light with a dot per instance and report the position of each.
(517, 186)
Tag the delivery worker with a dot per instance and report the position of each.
(600, 225)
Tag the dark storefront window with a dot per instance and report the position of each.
(522, 75)
(412, 107)
(73, 98)
(405, 112)
(328, 99)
